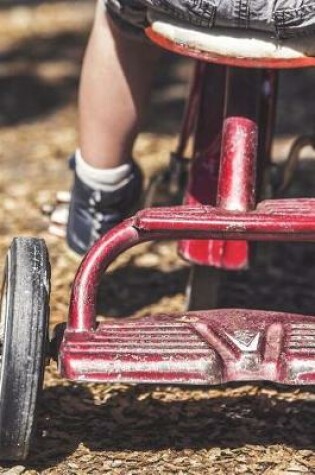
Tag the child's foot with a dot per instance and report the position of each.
(93, 212)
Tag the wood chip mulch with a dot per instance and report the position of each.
(121, 429)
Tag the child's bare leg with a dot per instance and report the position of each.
(115, 82)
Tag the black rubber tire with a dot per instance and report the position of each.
(203, 287)
(24, 323)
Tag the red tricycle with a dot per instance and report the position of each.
(230, 114)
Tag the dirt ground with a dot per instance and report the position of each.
(120, 429)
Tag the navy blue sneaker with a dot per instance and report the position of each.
(92, 212)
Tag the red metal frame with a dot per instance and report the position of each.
(211, 347)
(191, 109)
(219, 99)
(237, 177)
(197, 347)
(221, 208)
(272, 220)
(203, 179)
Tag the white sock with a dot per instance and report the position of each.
(103, 179)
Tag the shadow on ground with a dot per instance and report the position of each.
(136, 420)
(40, 75)
(26, 94)
(280, 278)
(128, 289)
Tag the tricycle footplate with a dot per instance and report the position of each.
(210, 347)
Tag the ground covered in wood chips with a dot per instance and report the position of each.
(119, 429)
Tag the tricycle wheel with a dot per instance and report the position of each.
(203, 288)
(23, 334)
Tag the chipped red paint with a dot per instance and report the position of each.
(208, 57)
(210, 347)
(273, 220)
(220, 215)
(221, 99)
(237, 177)
(203, 179)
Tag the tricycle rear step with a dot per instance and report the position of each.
(207, 348)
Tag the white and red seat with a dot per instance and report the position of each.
(231, 46)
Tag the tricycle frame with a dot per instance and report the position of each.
(231, 114)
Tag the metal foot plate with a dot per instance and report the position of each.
(195, 348)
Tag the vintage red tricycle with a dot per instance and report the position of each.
(230, 115)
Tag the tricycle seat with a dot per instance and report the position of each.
(230, 46)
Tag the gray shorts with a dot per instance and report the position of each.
(130, 15)
(279, 18)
